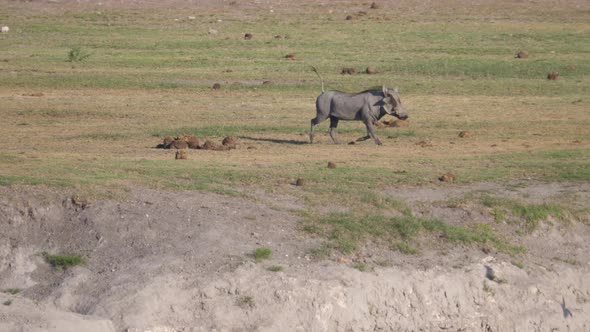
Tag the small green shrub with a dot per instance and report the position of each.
(77, 55)
(262, 253)
(275, 268)
(12, 291)
(63, 261)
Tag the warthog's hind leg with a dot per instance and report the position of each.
(333, 126)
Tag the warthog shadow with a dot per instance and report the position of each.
(274, 140)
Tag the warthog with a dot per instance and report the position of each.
(367, 106)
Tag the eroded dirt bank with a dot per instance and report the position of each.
(164, 261)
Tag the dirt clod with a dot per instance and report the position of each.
(230, 142)
(465, 134)
(178, 144)
(181, 154)
(331, 164)
(348, 71)
(522, 55)
(447, 177)
(371, 70)
(554, 75)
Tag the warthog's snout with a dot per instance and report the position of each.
(401, 114)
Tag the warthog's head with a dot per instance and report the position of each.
(392, 104)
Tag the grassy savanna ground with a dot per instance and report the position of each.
(149, 73)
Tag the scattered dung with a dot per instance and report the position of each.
(348, 71)
(424, 144)
(181, 154)
(300, 182)
(371, 70)
(248, 36)
(168, 140)
(465, 134)
(331, 164)
(553, 75)
(375, 6)
(210, 145)
(230, 142)
(447, 177)
(290, 56)
(178, 144)
(192, 142)
(216, 86)
(34, 94)
(522, 55)
(393, 123)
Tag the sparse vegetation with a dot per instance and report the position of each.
(76, 54)
(63, 261)
(12, 291)
(262, 253)
(275, 268)
(246, 302)
(7, 302)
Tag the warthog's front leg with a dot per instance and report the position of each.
(371, 131)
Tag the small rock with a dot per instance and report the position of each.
(331, 164)
(216, 86)
(191, 17)
(248, 36)
(522, 55)
(371, 70)
(465, 134)
(447, 177)
(349, 17)
(181, 154)
(348, 71)
(300, 182)
(213, 32)
(5, 29)
(553, 75)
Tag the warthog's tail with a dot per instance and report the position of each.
(320, 76)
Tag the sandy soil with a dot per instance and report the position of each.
(169, 261)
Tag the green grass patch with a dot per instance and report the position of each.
(262, 253)
(346, 231)
(63, 261)
(12, 291)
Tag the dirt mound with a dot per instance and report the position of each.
(348, 71)
(192, 142)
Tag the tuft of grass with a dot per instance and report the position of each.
(363, 267)
(406, 248)
(76, 54)
(63, 261)
(262, 253)
(246, 302)
(275, 268)
(12, 291)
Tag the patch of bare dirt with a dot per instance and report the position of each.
(173, 261)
